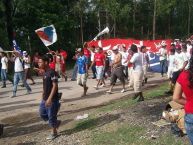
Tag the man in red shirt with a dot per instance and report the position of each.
(99, 61)
(87, 53)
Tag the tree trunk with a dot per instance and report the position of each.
(99, 23)
(169, 25)
(114, 27)
(154, 19)
(9, 23)
(81, 30)
(134, 11)
(189, 17)
(107, 23)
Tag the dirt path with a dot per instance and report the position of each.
(20, 114)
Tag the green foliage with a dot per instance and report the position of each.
(29, 15)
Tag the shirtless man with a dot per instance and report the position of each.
(117, 70)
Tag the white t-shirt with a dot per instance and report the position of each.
(189, 47)
(18, 67)
(124, 58)
(180, 58)
(144, 58)
(136, 59)
(26, 62)
(4, 62)
(163, 54)
(171, 60)
(92, 56)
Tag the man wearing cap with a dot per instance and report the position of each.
(19, 73)
(82, 63)
(163, 55)
(27, 66)
(117, 70)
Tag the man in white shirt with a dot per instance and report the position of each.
(124, 62)
(137, 74)
(19, 73)
(162, 58)
(145, 62)
(4, 68)
(27, 66)
(180, 63)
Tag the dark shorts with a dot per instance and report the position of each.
(117, 73)
(175, 76)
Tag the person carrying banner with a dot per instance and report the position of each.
(49, 105)
(4, 68)
(82, 62)
(19, 73)
(117, 70)
(137, 74)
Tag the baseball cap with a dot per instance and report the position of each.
(115, 48)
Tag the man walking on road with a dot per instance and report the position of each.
(19, 73)
(49, 105)
(82, 62)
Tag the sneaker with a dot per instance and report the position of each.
(13, 96)
(110, 92)
(122, 91)
(52, 136)
(66, 78)
(3, 87)
(101, 86)
(29, 92)
(96, 87)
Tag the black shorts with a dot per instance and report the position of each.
(117, 73)
(175, 76)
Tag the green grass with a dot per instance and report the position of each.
(124, 133)
(133, 135)
(128, 102)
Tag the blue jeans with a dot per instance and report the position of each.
(17, 77)
(74, 73)
(49, 113)
(163, 65)
(4, 76)
(94, 71)
(188, 119)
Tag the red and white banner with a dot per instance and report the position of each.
(152, 45)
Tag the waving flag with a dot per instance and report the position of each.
(16, 47)
(47, 35)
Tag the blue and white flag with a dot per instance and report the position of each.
(16, 47)
(47, 35)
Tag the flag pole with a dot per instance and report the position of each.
(48, 48)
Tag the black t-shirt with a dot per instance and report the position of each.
(49, 77)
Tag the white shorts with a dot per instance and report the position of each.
(100, 72)
(81, 79)
(170, 72)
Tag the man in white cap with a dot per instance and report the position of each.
(163, 55)
(19, 73)
(117, 70)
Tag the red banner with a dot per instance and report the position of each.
(152, 45)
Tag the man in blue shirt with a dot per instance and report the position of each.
(82, 63)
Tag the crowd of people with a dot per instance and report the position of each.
(128, 65)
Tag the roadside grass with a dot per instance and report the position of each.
(133, 135)
(157, 91)
(124, 133)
